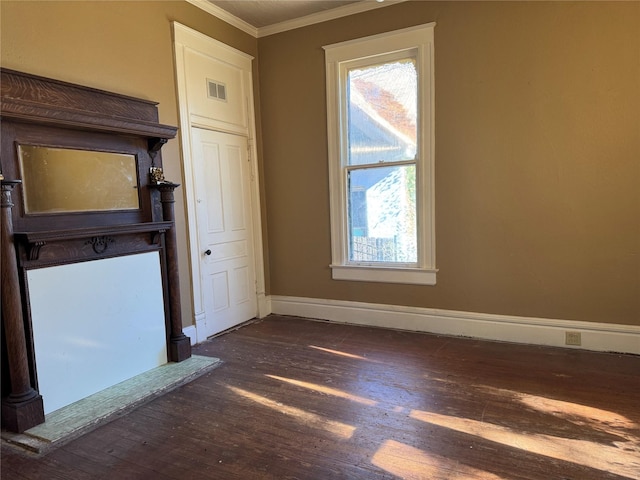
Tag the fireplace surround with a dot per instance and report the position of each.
(82, 187)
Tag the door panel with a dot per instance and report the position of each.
(224, 228)
(228, 112)
(212, 188)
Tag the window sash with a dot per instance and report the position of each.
(414, 41)
(402, 243)
(349, 166)
(384, 105)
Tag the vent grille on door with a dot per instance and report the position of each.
(216, 90)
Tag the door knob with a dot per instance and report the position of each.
(207, 252)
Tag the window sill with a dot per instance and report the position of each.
(414, 276)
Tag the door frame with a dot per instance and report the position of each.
(184, 39)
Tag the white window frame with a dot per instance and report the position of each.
(417, 42)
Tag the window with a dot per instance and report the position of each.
(381, 144)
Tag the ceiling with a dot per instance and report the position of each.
(265, 13)
(260, 18)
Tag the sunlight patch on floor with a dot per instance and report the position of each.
(583, 452)
(604, 420)
(343, 354)
(326, 390)
(409, 463)
(313, 420)
(566, 409)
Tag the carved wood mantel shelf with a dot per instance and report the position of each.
(99, 239)
(75, 106)
(59, 117)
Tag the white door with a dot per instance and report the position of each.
(215, 92)
(223, 203)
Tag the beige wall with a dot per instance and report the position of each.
(537, 141)
(124, 47)
(537, 159)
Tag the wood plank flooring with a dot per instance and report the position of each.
(300, 399)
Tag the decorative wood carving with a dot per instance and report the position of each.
(55, 247)
(155, 144)
(44, 112)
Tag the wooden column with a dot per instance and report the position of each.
(23, 407)
(179, 343)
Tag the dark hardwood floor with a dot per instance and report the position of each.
(299, 399)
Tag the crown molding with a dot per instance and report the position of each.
(334, 13)
(225, 16)
(325, 16)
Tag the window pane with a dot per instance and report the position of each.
(382, 214)
(382, 106)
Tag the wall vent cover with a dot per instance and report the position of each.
(216, 90)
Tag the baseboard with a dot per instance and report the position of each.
(536, 331)
(200, 326)
(264, 305)
(192, 333)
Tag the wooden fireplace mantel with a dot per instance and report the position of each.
(29, 98)
(54, 114)
(86, 243)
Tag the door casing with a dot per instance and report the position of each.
(191, 42)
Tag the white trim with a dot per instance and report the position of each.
(256, 207)
(417, 42)
(186, 38)
(201, 327)
(192, 333)
(199, 42)
(352, 48)
(414, 276)
(188, 180)
(264, 305)
(528, 330)
(269, 305)
(325, 16)
(225, 16)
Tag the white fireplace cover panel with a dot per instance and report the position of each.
(96, 324)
